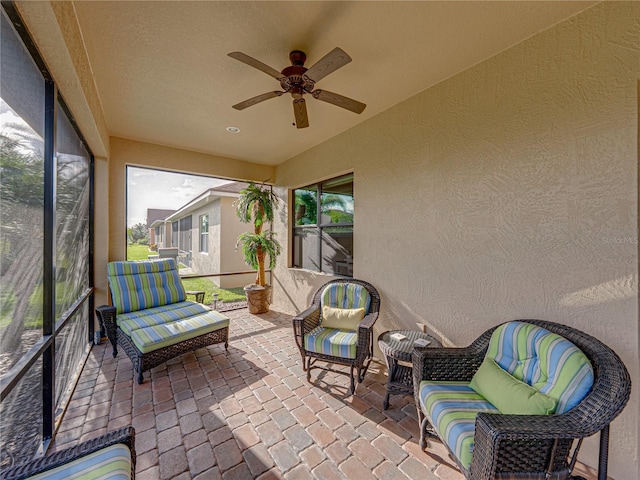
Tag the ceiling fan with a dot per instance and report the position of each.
(299, 80)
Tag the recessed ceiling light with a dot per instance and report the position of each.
(233, 130)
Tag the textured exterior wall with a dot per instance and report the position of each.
(232, 260)
(205, 262)
(224, 228)
(508, 191)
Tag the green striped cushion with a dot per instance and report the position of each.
(113, 463)
(548, 362)
(144, 284)
(332, 341)
(452, 407)
(346, 295)
(152, 338)
(131, 321)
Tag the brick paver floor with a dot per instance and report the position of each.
(249, 412)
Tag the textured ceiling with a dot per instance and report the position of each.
(163, 75)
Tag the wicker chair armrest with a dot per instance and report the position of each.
(498, 435)
(304, 322)
(107, 314)
(450, 364)
(530, 427)
(445, 364)
(125, 435)
(368, 321)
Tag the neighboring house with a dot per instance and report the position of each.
(155, 224)
(205, 231)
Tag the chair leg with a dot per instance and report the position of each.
(112, 336)
(362, 371)
(352, 388)
(420, 415)
(423, 434)
(604, 454)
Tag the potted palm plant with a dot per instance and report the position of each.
(256, 205)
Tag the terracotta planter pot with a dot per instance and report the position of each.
(258, 298)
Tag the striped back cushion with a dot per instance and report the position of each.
(144, 284)
(548, 362)
(346, 295)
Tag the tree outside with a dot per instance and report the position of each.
(138, 233)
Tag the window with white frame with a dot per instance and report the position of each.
(204, 233)
(323, 226)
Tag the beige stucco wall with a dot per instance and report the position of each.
(205, 262)
(232, 260)
(224, 228)
(508, 191)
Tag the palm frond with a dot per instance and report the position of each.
(256, 204)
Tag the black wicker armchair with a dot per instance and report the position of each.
(124, 436)
(530, 446)
(309, 320)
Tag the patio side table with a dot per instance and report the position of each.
(397, 352)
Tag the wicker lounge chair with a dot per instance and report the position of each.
(529, 446)
(316, 342)
(118, 446)
(151, 318)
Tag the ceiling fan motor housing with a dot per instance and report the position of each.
(297, 57)
(297, 80)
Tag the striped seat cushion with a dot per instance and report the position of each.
(548, 362)
(144, 284)
(332, 341)
(113, 463)
(151, 338)
(346, 295)
(452, 407)
(149, 317)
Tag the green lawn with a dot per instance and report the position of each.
(141, 252)
(224, 295)
(138, 252)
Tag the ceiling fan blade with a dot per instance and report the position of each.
(257, 99)
(257, 64)
(339, 100)
(300, 113)
(332, 61)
